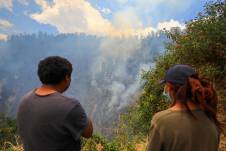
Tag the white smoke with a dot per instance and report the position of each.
(110, 71)
(117, 90)
(132, 91)
(106, 75)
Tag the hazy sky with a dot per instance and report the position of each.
(98, 17)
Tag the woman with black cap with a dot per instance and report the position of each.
(190, 124)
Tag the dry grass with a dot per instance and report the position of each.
(8, 146)
(141, 146)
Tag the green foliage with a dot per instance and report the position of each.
(7, 129)
(202, 45)
(92, 144)
(150, 102)
(121, 142)
(124, 138)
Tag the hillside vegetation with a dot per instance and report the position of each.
(203, 46)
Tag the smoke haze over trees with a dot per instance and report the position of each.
(106, 75)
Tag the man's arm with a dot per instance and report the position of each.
(88, 131)
(77, 123)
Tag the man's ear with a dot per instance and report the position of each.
(68, 77)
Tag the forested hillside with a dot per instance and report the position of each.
(104, 80)
(203, 46)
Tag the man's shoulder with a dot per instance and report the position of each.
(28, 95)
(57, 97)
(66, 102)
(69, 100)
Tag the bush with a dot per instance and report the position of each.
(98, 141)
(7, 129)
(202, 45)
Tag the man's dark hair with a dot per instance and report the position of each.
(52, 70)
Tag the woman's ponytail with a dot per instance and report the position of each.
(201, 92)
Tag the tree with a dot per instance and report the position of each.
(202, 45)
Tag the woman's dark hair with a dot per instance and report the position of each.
(52, 70)
(200, 92)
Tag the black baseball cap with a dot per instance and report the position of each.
(178, 74)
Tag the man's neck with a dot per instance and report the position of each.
(45, 90)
